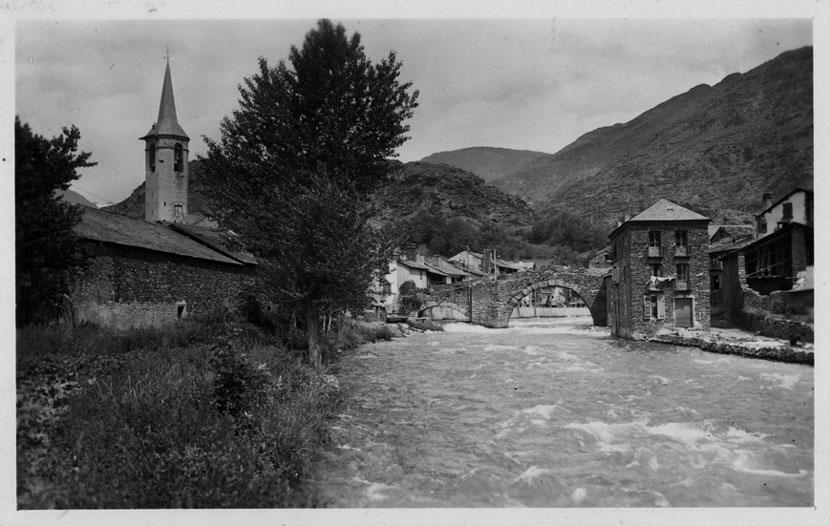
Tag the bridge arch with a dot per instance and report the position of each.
(588, 296)
(463, 310)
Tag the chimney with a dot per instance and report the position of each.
(766, 202)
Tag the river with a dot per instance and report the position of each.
(556, 413)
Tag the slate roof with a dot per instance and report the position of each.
(214, 238)
(728, 245)
(665, 210)
(446, 268)
(662, 210)
(107, 227)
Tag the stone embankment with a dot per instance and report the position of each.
(739, 343)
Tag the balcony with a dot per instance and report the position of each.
(681, 251)
(655, 252)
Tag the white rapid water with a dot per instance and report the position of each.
(555, 413)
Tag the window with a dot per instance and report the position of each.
(654, 238)
(681, 242)
(654, 307)
(178, 210)
(151, 157)
(682, 282)
(762, 225)
(788, 212)
(654, 243)
(178, 158)
(655, 269)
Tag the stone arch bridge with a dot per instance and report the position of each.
(490, 302)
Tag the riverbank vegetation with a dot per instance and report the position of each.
(208, 412)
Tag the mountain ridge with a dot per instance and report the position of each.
(719, 146)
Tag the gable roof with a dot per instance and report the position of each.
(106, 227)
(665, 210)
(662, 210)
(781, 200)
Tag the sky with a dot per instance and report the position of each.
(533, 83)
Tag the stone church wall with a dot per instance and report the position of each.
(125, 287)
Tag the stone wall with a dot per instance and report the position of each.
(125, 287)
(629, 315)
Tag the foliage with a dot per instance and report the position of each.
(568, 230)
(233, 424)
(560, 237)
(44, 244)
(408, 299)
(307, 146)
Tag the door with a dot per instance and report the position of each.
(683, 312)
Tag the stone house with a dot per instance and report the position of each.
(660, 272)
(157, 269)
(774, 271)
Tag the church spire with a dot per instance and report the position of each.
(167, 123)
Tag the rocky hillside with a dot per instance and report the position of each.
(438, 189)
(486, 162)
(716, 147)
(70, 196)
(450, 192)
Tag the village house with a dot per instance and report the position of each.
(659, 276)
(723, 240)
(774, 271)
(486, 263)
(160, 268)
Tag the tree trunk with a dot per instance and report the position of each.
(313, 329)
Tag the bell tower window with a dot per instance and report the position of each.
(151, 157)
(178, 158)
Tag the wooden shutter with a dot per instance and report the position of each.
(661, 307)
(646, 307)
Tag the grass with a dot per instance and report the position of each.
(205, 413)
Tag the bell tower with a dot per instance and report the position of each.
(165, 162)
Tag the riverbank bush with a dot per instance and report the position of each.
(193, 415)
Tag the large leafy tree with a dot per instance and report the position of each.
(44, 243)
(293, 171)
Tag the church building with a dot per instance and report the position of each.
(155, 269)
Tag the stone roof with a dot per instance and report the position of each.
(665, 210)
(445, 267)
(215, 239)
(661, 211)
(106, 227)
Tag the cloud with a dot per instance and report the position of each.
(520, 83)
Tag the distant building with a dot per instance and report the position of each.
(725, 240)
(779, 260)
(161, 268)
(486, 263)
(659, 275)
(601, 260)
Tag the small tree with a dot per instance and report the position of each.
(44, 243)
(294, 169)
